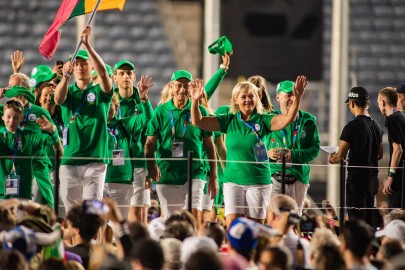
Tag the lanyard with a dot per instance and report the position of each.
(26, 116)
(80, 106)
(295, 134)
(15, 147)
(251, 127)
(113, 131)
(119, 112)
(184, 125)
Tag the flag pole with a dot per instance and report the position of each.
(73, 59)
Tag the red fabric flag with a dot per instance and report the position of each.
(51, 39)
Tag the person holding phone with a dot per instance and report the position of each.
(299, 142)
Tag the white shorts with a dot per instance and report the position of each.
(249, 200)
(83, 182)
(297, 191)
(140, 196)
(207, 202)
(121, 193)
(175, 197)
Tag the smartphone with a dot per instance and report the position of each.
(59, 62)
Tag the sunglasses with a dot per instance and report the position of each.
(14, 104)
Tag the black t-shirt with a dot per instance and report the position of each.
(364, 135)
(395, 124)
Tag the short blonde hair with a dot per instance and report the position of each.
(322, 237)
(245, 87)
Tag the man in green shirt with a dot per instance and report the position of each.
(300, 143)
(119, 171)
(85, 106)
(130, 104)
(171, 134)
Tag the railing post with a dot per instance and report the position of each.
(283, 172)
(342, 193)
(190, 179)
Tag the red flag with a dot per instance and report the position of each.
(51, 39)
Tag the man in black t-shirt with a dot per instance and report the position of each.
(363, 137)
(395, 123)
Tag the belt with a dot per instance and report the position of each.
(289, 178)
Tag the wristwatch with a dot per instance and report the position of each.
(391, 173)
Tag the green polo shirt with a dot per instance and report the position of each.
(30, 143)
(88, 136)
(303, 150)
(239, 142)
(174, 172)
(120, 135)
(129, 107)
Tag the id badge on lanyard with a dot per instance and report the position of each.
(177, 149)
(65, 136)
(12, 184)
(260, 152)
(118, 157)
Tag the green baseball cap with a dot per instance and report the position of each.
(107, 67)
(17, 90)
(285, 86)
(123, 62)
(181, 74)
(221, 46)
(83, 54)
(39, 78)
(40, 69)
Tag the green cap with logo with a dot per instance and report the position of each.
(181, 74)
(40, 74)
(17, 90)
(221, 46)
(285, 86)
(122, 63)
(83, 54)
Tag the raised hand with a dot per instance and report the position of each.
(67, 69)
(86, 35)
(196, 89)
(299, 86)
(226, 59)
(17, 61)
(144, 85)
(46, 125)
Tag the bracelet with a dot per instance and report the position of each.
(144, 99)
(391, 172)
(225, 68)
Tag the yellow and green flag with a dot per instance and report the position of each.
(87, 6)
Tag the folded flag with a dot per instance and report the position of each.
(67, 10)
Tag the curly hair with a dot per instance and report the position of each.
(87, 224)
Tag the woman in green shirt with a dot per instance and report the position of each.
(247, 184)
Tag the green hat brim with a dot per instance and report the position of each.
(19, 90)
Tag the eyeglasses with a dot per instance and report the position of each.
(180, 85)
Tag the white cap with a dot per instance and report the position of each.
(394, 230)
(195, 243)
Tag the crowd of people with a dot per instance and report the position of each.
(115, 149)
